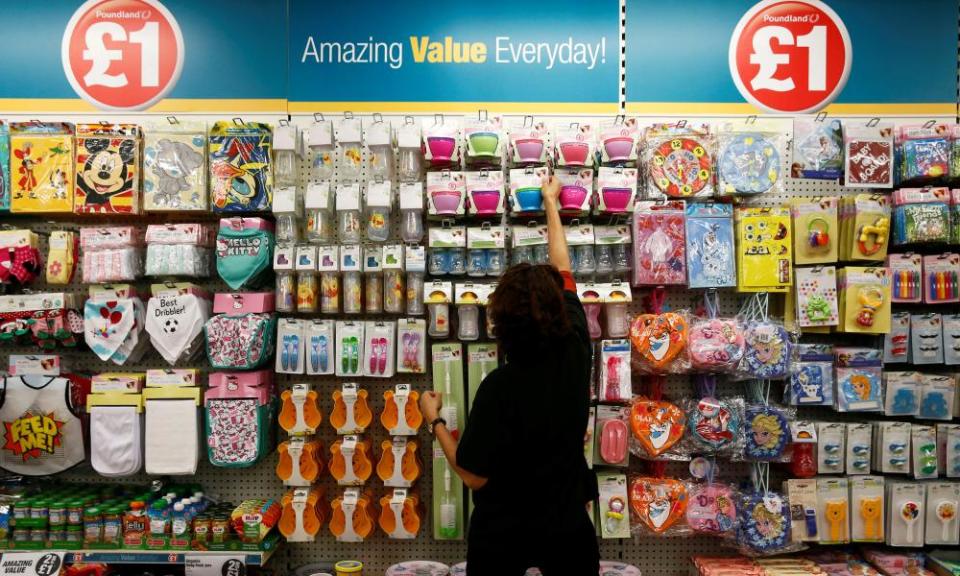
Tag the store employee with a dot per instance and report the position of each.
(522, 449)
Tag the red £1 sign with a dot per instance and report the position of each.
(122, 54)
(790, 56)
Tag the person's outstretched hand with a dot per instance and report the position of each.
(430, 404)
(550, 190)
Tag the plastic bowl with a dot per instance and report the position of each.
(445, 202)
(485, 201)
(441, 147)
(616, 199)
(530, 199)
(618, 148)
(529, 149)
(574, 153)
(484, 143)
(572, 197)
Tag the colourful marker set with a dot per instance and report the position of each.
(932, 279)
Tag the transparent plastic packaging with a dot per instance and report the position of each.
(321, 164)
(350, 161)
(468, 325)
(319, 226)
(352, 293)
(378, 223)
(373, 289)
(393, 292)
(348, 226)
(285, 167)
(380, 162)
(438, 325)
(287, 231)
(410, 162)
(308, 290)
(411, 226)
(286, 292)
(330, 292)
(415, 293)
(617, 319)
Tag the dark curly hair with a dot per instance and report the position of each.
(527, 309)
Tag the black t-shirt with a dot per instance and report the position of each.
(525, 435)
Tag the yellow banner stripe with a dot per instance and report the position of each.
(459, 107)
(166, 106)
(708, 108)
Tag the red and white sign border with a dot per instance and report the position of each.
(763, 4)
(65, 57)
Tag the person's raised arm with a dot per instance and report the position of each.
(556, 238)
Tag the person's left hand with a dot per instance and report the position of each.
(430, 404)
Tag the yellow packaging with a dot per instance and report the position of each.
(815, 230)
(764, 249)
(864, 299)
(108, 169)
(41, 167)
(866, 233)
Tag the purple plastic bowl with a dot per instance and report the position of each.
(441, 147)
(574, 153)
(618, 148)
(485, 201)
(529, 149)
(445, 202)
(616, 199)
(572, 197)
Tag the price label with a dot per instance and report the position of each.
(31, 563)
(791, 56)
(122, 54)
(213, 565)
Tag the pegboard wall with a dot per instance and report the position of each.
(655, 556)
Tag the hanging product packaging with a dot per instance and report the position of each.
(926, 336)
(612, 505)
(446, 194)
(657, 427)
(351, 413)
(300, 413)
(5, 184)
(831, 447)
(858, 377)
(923, 152)
(300, 462)
(241, 178)
(902, 396)
(113, 326)
(304, 511)
(526, 193)
(816, 230)
(906, 277)
(412, 339)
(715, 345)
(611, 436)
(811, 383)
(941, 278)
(241, 334)
(937, 395)
(401, 414)
(530, 143)
(709, 245)
(614, 385)
(378, 205)
(107, 169)
(678, 160)
(178, 250)
(864, 227)
(172, 430)
(349, 157)
(176, 315)
(769, 351)
(62, 256)
(713, 425)
(711, 509)
(111, 254)
(864, 300)
(833, 510)
(764, 249)
(239, 409)
(319, 140)
(378, 139)
(34, 404)
(351, 460)
(869, 155)
(175, 167)
(817, 296)
(485, 193)
(409, 151)
(401, 516)
(380, 349)
(485, 140)
(42, 167)
(951, 339)
(766, 431)
(116, 432)
(764, 523)
(921, 216)
(659, 247)
(658, 506)
(616, 190)
(575, 145)
(817, 149)
(748, 159)
(244, 251)
(660, 343)
(619, 141)
(576, 191)
(441, 142)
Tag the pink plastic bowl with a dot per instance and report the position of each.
(616, 199)
(618, 148)
(574, 153)
(572, 197)
(441, 147)
(529, 149)
(445, 202)
(485, 201)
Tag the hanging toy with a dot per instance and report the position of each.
(714, 424)
(711, 509)
(764, 522)
(716, 345)
(748, 164)
(681, 167)
(768, 351)
(659, 503)
(659, 339)
(657, 426)
(767, 431)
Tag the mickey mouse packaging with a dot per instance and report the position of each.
(107, 161)
(241, 179)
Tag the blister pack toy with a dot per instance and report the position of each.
(811, 383)
(241, 179)
(858, 377)
(748, 159)
(659, 247)
(710, 247)
(764, 249)
(678, 160)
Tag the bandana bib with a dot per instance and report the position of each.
(242, 255)
(657, 426)
(174, 323)
(106, 325)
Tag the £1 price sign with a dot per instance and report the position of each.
(790, 56)
(122, 54)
